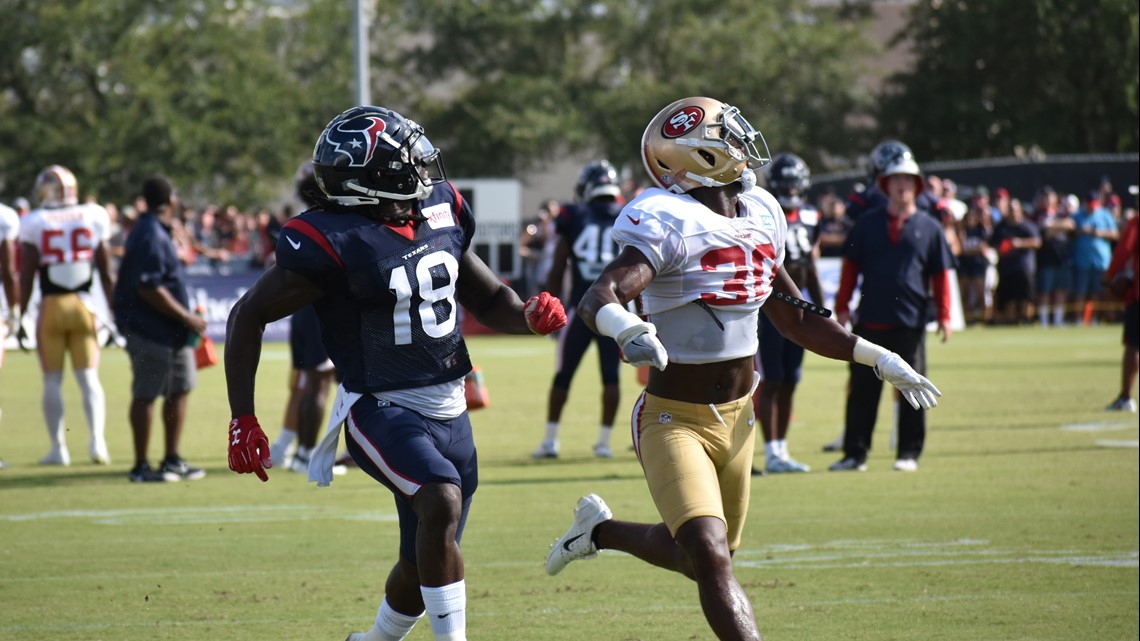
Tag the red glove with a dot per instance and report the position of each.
(249, 448)
(544, 314)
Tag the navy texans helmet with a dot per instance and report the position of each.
(788, 176)
(598, 178)
(888, 152)
(371, 153)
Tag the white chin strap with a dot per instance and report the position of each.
(373, 196)
(748, 179)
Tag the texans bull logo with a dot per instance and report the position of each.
(357, 139)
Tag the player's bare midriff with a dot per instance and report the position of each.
(719, 382)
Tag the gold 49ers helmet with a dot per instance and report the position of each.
(56, 187)
(701, 142)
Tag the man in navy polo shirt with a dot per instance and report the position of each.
(152, 310)
(902, 256)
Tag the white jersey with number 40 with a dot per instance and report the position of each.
(713, 273)
(66, 238)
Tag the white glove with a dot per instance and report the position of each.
(636, 338)
(641, 347)
(13, 321)
(914, 387)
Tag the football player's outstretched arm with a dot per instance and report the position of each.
(827, 337)
(278, 293)
(603, 309)
(499, 307)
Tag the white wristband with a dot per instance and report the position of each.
(613, 320)
(867, 353)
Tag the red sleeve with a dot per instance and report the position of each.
(847, 279)
(1125, 247)
(940, 283)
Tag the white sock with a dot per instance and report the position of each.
(604, 434)
(771, 450)
(390, 625)
(1059, 315)
(285, 438)
(94, 403)
(447, 611)
(782, 448)
(52, 402)
(551, 433)
(1043, 314)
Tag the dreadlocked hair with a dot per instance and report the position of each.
(319, 200)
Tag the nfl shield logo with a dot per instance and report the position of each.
(665, 418)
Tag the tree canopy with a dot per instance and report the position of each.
(1011, 77)
(227, 98)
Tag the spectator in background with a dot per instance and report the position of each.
(973, 262)
(931, 198)
(152, 310)
(833, 228)
(537, 240)
(1054, 269)
(1002, 203)
(1094, 231)
(1017, 240)
(902, 255)
(1125, 259)
(950, 195)
(65, 242)
(981, 200)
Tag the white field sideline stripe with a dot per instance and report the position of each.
(1125, 444)
(1103, 426)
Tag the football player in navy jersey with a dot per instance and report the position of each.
(780, 361)
(585, 242)
(385, 258)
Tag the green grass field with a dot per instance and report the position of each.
(1022, 524)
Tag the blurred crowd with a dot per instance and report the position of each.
(1037, 260)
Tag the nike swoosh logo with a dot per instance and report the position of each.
(294, 243)
(442, 616)
(635, 221)
(568, 542)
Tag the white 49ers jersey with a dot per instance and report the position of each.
(9, 223)
(713, 273)
(66, 238)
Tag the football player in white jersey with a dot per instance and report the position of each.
(704, 251)
(9, 227)
(65, 242)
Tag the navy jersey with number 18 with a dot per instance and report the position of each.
(389, 316)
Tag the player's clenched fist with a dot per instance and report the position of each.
(544, 314)
(249, 448)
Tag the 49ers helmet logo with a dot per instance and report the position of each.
(682, 122)
(357, 139)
